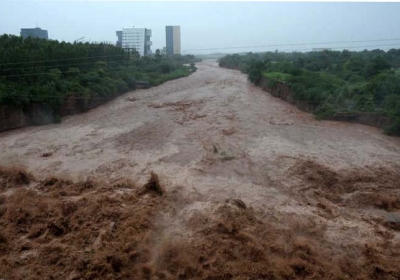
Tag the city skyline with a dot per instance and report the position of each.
(210, 25)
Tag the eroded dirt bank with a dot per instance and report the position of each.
(254, 189)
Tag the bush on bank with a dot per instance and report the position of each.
(46, 71)
(331, 81)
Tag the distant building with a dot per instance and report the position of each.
(34, 32)
(119, 41)
(321, 49)
(135, 38)
(173, 39)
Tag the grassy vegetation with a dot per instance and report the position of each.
(175, 74)
(277, 76)
(331, 81)
(45, 71)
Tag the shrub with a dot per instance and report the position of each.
(331, 81)
(325, 111)
(121, 86)
(115, 73)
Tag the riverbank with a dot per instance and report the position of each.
(42, 113)
(282, 91)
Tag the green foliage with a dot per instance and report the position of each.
(176, 74)
(331, 81)
(325, 111)
(255, 70)
(376, 66)
(165, 68)
(121, 86)
(46, 71)
(234, 61)
(272, 83)
(392, 108)
(13, 97)
(100, 65)
(277, 76)
(54, 75)
(72, 72)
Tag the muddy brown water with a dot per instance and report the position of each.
(173, 128)
(214, 137)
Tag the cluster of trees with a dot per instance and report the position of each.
(331, 81)
(38, 70)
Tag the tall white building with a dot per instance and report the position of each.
(135, 38)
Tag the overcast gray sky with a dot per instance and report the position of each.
(211, 24)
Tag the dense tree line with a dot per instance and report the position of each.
(331, 81)
(37, 70)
